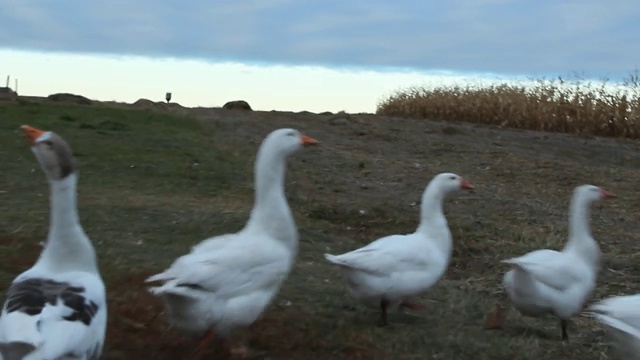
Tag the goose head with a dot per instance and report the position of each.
(51, 151)
(285, 142)
(591, 194)
(450, 182)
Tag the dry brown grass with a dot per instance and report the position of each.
(577, 107)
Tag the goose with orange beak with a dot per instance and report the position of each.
(388, 272)
(225, 283)
(57, 308)
(559, 283)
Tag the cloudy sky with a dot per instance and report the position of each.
(339, 46)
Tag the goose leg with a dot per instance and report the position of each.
(223, 349)
(413, 305)
(383, 312)
(204, 344)
(243, 350)
(494, 320)
(563, 326)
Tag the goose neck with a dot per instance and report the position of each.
(271, 213)
(433, 223)
(269, 180)
(431, 206)
(67, 246)
(580, 240)
(64, 212)
(579, 213)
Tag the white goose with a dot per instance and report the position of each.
(56, 309)
(390, 270)
(227, 281)
(620, 315)
(558, 282)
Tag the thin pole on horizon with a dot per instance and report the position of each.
(16, 89)
(8, 80)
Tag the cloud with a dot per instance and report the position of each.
(501, 36)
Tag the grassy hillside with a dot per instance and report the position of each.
(153, 183)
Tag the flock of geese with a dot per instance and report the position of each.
(57, 309)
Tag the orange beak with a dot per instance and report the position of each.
(606, 194)
(31, 134)
(466, 185)
(308, 141)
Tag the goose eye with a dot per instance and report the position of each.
(452, 177)
(49, 143)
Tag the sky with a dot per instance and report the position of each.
(303, 55)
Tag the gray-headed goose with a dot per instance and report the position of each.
(57, 308)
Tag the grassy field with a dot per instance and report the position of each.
(154, 183)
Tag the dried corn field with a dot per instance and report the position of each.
(576, 107)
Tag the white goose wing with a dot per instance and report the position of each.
(227, 270)
(554, 269)
(385, 255)
(47, 317)
(621, 317)
(620, 309)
